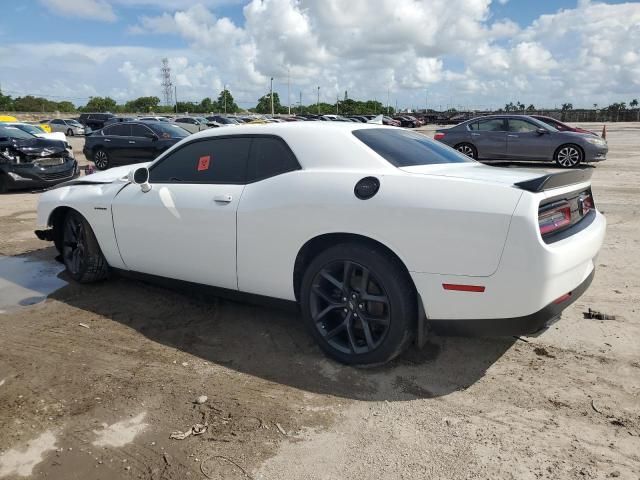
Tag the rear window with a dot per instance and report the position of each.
(402, 148)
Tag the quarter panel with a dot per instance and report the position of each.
(434, 224)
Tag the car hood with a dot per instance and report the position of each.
(479, 172)
(113, 174)
(39, 147)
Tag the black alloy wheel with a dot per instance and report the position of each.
(101, 159)
(80, 250)
(349, 307)
(70, 132)
(359, 304)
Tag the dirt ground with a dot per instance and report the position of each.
(94, 379)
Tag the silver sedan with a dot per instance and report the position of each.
(67, 126)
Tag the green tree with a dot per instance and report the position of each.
(6, 103)
(207, 105)
(100, 104)
(226, 99)
(142, 104)
(633, 103)
(264, 104)
(531, 108)
(66, 107)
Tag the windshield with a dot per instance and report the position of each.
(168, 130)
(404, 149)
(14, 132)
(32, 129)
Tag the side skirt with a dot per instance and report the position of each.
(208, 291)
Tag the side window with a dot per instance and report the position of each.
(493, 125)
(473, 126)
(218, 160)
(118, 130)
(270, 157)
(138, 130)
(517, 125)
(57, 122)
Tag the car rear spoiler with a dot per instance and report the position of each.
(556, 180)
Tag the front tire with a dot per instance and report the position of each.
(468, 150)
(69, 133)
(101, 159)
(359, 304)
(81, 253)
(568, 156)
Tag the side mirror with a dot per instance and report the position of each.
(140, 176)
(542, 131)
(152, 136)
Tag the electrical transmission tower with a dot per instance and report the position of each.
(167, 86)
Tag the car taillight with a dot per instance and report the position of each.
(585, 204)
(554, 217)
(438, 136)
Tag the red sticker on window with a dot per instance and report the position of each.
(203, 163)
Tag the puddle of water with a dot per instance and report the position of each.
(25, 281)
(120, 433)
(22, 462)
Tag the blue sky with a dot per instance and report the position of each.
(456, 52)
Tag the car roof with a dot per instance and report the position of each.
(308, 141)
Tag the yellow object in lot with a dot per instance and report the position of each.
(8, 118)
(45, 126)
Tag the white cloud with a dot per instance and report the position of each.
(454, 49)
(89, 9)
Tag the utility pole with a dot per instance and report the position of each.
(387, 101)
(224, 96)
(337, 102)
(175, 96)
(426, 103)
(271, 96)
(300, 103)
(288, 89)
(318, 103)
(165, 72)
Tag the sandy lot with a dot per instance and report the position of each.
(94, 379)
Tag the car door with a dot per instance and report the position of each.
(57, 125)
(185, 226)
(489, 137)
(142, 144)
(524, 142)
(116, 142)
(265, 206)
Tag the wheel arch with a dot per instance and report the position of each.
(56, 221)
(319, 243)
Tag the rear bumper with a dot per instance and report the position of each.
(525, 325)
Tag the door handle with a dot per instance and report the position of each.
(224, 198)
(131, 141)
(107, 140)
(475, 134)
(513, 136)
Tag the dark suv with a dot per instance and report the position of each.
(95, 121)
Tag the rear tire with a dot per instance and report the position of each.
(81, 253)
(568, 156)
(70, 133)
(359, 304)
(101, 159)
(467, 149)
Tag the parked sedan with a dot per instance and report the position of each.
(560, 126)
(191, 124)
(375, 232)
(520, 137)
(66, 126)
(27, 161)
(131, 142)
(38, 131)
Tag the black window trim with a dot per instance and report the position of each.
(485, 120)
(217, 137)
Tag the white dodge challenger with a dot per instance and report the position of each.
(375, 232)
